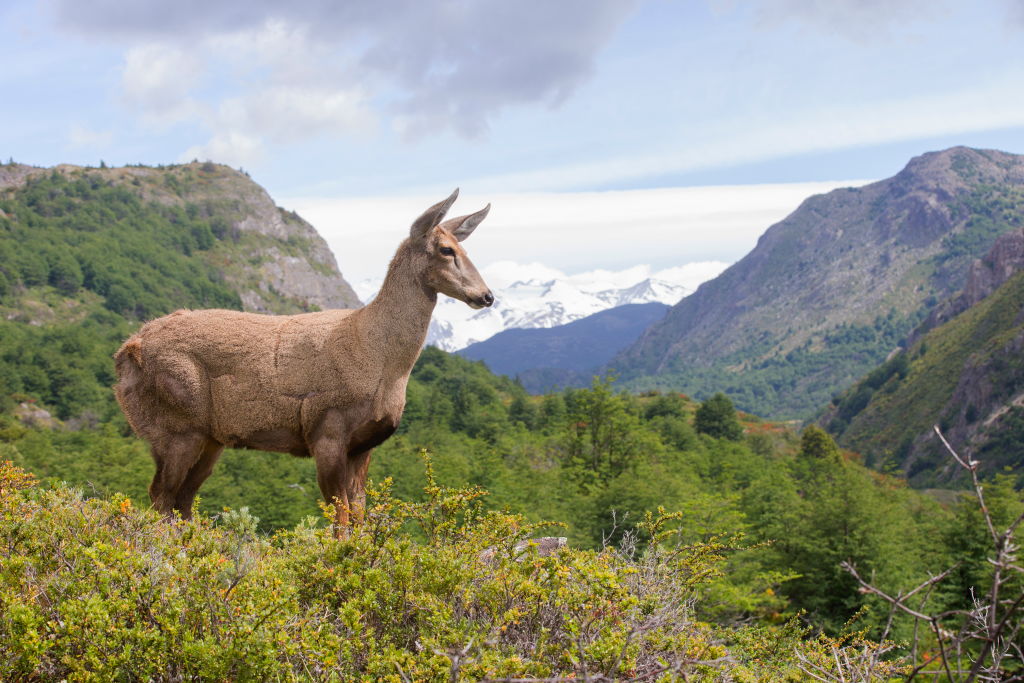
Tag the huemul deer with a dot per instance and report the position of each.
(330, 385)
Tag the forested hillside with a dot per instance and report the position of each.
(831, 290)
(965, 374)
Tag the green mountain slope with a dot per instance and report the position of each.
(831, 290)
(86, 254)
(965, 374)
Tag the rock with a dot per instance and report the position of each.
(33, 416)
(986, 275)
(543, 546)
(546, 545)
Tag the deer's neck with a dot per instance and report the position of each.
(395, 323)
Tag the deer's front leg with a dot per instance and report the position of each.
(333, 474)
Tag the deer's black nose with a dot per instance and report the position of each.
(488, 299)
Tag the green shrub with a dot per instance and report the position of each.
(99, 590)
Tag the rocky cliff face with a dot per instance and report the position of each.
(965, 376)
(964, 371)
(275, 260)
(984, 277)
(829, 291)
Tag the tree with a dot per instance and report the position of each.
(667, 405)
(521, 410)
(552, 412)
(603, 437)
(817, 446)
(65, 273)
(717, 417)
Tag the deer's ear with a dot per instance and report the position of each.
(432, 216)
(463, 226)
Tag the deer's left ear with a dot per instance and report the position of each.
(432, 216)
(463, 226)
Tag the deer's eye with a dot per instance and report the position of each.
(447, 251)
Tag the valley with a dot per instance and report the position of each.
(873, 313)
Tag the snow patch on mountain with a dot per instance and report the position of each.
(534, 295)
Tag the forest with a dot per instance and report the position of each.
(787, 508)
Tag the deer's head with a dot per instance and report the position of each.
(445, 266)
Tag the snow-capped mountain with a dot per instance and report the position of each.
(534, 295)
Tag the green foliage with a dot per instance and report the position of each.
(67, 366)
(595, 459)
(134, 254)
(816, 446)
(717, 417)
(1003, 443)
(797, 383)
(97, 589)
(992, 210)
(970, 542)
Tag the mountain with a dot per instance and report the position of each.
(86, 254)
(832, 289)
(530, 296)
(564, 355)
(273, 259)
(964, 370)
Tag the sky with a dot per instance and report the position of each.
(605, 133)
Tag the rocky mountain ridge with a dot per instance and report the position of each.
(277, 262)
(832, 289)
(985, 276)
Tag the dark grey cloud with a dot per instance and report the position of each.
(445, 63)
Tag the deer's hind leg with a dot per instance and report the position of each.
(358, 465)
(175, 456)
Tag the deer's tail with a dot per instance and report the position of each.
(128, 363)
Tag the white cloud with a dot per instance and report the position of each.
(859, 20)
(293, 93)
(231, 148)
(158, 79)
(290, 113)
(83, 136)
(572, 232)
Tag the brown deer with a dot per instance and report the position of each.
(330, 385)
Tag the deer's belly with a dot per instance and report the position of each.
(276, 440)
(245, 417)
